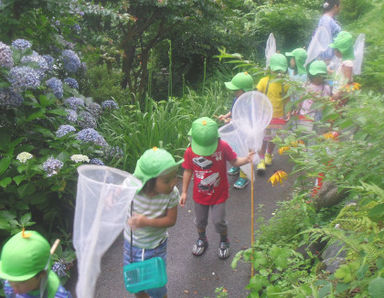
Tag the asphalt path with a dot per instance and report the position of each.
(190, 276)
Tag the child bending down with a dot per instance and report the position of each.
(154, 210)
(206, 160)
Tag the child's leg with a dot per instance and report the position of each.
(201, 221)
(218, 219)
(270, 147)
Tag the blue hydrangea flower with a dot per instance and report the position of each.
(50, 61)
(71, 115)
(60, 268)
(113, 151)
(109, 105)
(56, 86)
(23, 77)
(9, 98)
(94, 108)
(74, 102)
(77, 28)
(21, 44)
(40, 65)
(52, 166)
(90, 135)
(86, 120)
(96, 161)
(6, 59)
(64, 130)
(71, 61)
(72, 83)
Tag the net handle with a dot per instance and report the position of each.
(130, 251)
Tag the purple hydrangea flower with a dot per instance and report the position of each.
(64, 130)
(23, 77)
(94, 108)
(56, 86)
(52, 165)
(90, 135)
(60, 268)
(21, 44)
(72, 83)
(41, 65)
(96, 161)
(50, 61)
(6, 59)
(9, 98)
(76, 28)
(71, 61)
(109, 105)
(113, 151)
(71, 115)
(86, 120)
(74, 102)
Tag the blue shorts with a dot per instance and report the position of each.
(141, 254)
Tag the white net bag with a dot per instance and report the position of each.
(102, 200)
(270, 48)
(318, 45)
(358, 50)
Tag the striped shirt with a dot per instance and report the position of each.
(151, 207)
(10, 293)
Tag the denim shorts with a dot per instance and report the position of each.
(141, 254)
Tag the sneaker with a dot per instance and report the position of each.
(260, 169)
(199, 247)
(224, 250)
(268, 159)
(233, 171)
(241, 183)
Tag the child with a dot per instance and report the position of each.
(343, 46)
(240, 83)
(26, 267)
(206, 160)
(315, 89)
(296, 68)
(154, 210)
(276, 91)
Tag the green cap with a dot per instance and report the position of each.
(317, 67)
(300, 56)
(241, 81)
(278, 62)
(344, 43)
(23, 256)
(205, 136)
(153, 163)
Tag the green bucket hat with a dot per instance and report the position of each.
(23, 256)
(153, 163)
(344, 43)
(318, 67)
(278, 62)
(241, 81)
(300, 56)
(205, 136)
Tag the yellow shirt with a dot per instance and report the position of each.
(276, 92)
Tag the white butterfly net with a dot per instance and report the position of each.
(251, 114)
(102, 200)
(318, 45)
(270, 48)
(359, 53)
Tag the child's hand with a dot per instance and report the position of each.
(250, 156)
(183, 199)
(137, 221)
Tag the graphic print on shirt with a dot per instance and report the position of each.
(209, 179)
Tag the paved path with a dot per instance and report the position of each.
(189, 276)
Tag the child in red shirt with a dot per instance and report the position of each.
(206, 160)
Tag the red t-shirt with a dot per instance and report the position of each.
(210, 185)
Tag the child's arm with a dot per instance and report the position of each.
(169, 220)
(240, 161)
(187, 175)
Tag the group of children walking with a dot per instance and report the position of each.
(25, 259)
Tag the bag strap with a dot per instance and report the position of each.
(130, 253)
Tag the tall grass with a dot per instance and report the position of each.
(164, 123)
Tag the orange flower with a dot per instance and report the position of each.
(278, 177)
(297, 143)
(352, 87)
(283, 149)
(333, 135)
